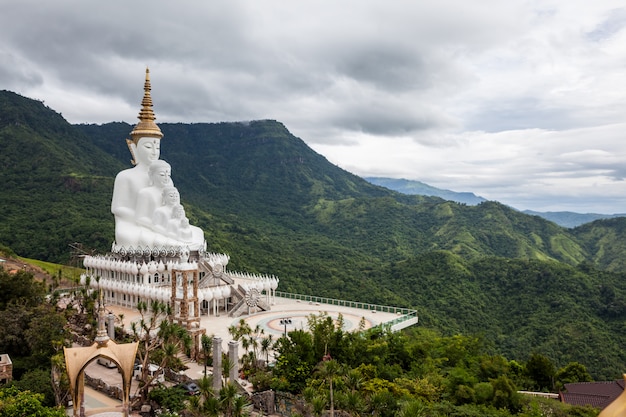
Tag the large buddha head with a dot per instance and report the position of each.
(145, 141)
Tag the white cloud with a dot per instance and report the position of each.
(518, 101)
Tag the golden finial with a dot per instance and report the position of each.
(146, 126)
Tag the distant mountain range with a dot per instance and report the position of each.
(411, 187)
(562, 218)
(261, 195)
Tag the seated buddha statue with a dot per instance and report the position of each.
(150, 198)
(170, 220)
(137, 191)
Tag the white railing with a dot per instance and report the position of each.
(406, 316)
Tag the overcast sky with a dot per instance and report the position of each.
(523, 102)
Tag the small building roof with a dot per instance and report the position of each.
(595, 394)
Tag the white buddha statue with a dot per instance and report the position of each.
(162, 215)
(137, 191)
(178, 226)
(150, 198)
(170, 220)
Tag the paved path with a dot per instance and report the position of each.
(99, 405)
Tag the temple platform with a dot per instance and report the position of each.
(290, 312)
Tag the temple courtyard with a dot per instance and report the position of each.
(288, 314)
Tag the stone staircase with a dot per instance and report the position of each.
(249, 299)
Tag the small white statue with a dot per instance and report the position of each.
(178, 226)
(170, 220)
(151, 198)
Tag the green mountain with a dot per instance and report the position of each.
(277, 207)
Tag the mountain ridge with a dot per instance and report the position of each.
(414, 187)
(275, 206)
(566, 219)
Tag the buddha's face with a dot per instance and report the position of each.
(147, 150)
(171, 197)
(161, 177)
(178, 212)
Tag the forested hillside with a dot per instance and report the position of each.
(265, 198)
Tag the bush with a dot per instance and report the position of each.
(171, 399)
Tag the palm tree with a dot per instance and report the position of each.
(241, 407)
(353, 399)
(206, 403)
(254, 342)
(330, 370)
(228, 394)
(205, 342)
(266, 345)
(227, 365)
(381, 402)
(255, 347)
(413, 408)
(245, 344)
(155, 333)
(319, 404)
(242, 329)
(353, 402)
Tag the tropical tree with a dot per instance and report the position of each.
(228, 403)
(207, 346)
(206, 403)
(159, 340)
(295, 362)
(541, 370)
(266, 346)
(330, 370)
(228, 393)
(60, 380)
(572, 372)
(16, 403)
(227, 365)
(413, 408)
(46, 333)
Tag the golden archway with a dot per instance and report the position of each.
(77, 358)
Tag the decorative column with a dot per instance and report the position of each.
(111, 326)
(217, 364)
(188, 312)
(233, 354)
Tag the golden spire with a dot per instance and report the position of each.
(146, 126)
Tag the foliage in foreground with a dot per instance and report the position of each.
(225, 403)
(413, 373)
(16, 403)
(33, 335)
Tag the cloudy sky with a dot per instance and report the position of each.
(518, 101)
